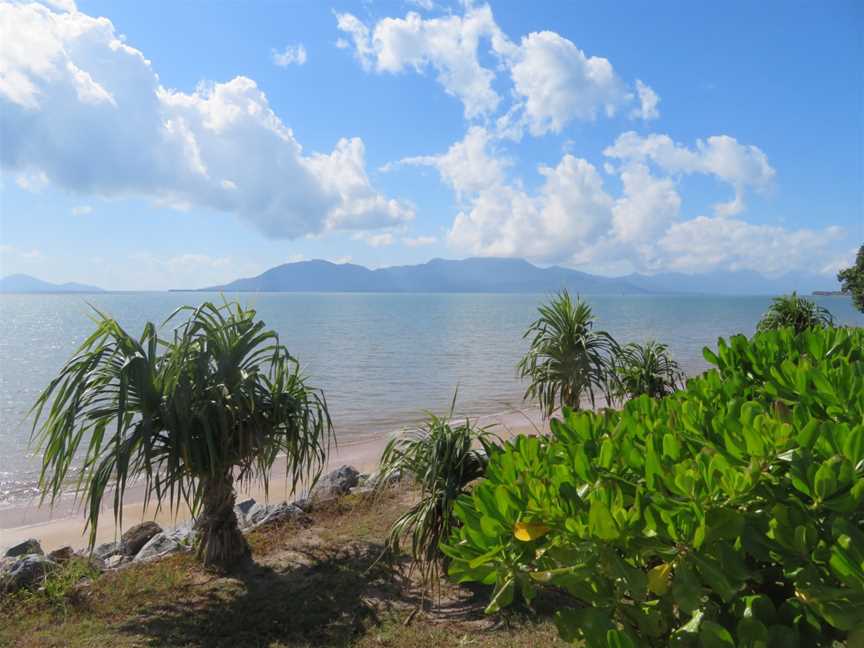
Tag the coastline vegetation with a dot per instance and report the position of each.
(192, 414)
(722, 510)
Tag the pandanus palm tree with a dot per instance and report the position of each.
(646, 369)
(442, 457)
(796, 312)
(192, 415)
(567, 359)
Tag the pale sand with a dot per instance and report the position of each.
(64, 525)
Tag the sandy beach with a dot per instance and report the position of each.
(64, 524)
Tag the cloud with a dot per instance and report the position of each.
(553, 81)
(648, 102)
(467, 166)
(87, 112)
(705, 243)
(82, 210)
(376, 240)
(557, 83)
(448, 45)
(418, 241)
(291, 55)
(741, 166)
(575, 219)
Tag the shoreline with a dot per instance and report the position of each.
(64, 523)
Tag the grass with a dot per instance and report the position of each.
(318, 583)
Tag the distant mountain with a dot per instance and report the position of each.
(436, 276)
(510, 276)
(21, 283)
(741, 282)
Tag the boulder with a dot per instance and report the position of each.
(24, 571)
(62, 555)
(107, 549)
(159, 545)
(262, 514)
(241, 510)
(185, 534)
(114, 561)
(336, 483)
(29, 546)
(136, 537)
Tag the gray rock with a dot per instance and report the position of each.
(138, 536)
(159, 545)
(62, 555)
(241, 510)
(339, 482)
(114, 561)
(304, 504)
(262, 514)
(30, 546)
(185, 534)
(105, 550)
(24, 571)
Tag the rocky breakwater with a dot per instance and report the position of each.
(25, 565)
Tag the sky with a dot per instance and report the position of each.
(182, 144)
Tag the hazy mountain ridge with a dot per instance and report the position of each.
(498, 275)
(22, 283)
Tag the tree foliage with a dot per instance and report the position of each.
(796, 312)
(190, 415)
(730, 513)
(441, 457)
(567, 360)
(852, 280)
(647, 369)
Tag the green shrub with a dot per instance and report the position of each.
(441, 457)
(730, 513)
(647, 369)
(797, 312)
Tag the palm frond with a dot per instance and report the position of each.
(796, 312)
(442, 457)
(567, 359)
(219, 400)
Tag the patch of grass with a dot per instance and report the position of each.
(319, 583)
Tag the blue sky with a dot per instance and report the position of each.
(157, 145)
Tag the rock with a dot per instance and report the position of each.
(363, 479)
(159, 545)
(185, 534)
(242, 509)
(262, 514)
(30, 546)
(24, 571)
(107, 549)
(62, 555)
(114, 561)
(138, 536)
(304, 504)
(336, 483)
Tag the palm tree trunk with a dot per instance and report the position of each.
(220, 542)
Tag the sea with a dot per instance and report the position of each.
(383, 360)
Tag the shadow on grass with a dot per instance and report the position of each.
(318, 597)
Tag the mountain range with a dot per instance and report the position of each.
(510, 276)
(21, 283)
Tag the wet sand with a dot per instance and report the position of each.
(64, 525)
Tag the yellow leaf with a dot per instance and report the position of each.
(528, 531)
(658, 578)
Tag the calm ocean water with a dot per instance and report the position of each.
(381, 358)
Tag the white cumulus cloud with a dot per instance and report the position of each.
(553, 81)
(575, 219)
(86, 112)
